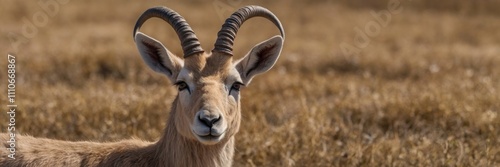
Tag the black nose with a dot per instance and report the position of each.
(209, 120)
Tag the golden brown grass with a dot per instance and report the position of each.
(425, 92)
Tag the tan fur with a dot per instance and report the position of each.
(176, 147)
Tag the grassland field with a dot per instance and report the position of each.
(424, 91)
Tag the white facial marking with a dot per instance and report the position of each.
(234, 76)
(186, 76)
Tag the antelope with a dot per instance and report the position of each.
(204, 117)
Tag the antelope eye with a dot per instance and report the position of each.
(236, 86)
(181, 85)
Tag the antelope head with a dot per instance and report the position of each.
(207, 106)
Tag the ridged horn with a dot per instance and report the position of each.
(225, 37)
(189, 41)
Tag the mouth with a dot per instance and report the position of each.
(209, 139)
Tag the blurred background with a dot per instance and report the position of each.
(359, 83)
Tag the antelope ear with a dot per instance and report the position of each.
(157, 56)
(260, 59)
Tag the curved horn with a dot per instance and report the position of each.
(189, 41)
(225, 37)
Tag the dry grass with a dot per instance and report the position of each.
(425, 92)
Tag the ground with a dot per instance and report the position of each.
(421, 90)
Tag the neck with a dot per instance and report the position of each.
(173, 149)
